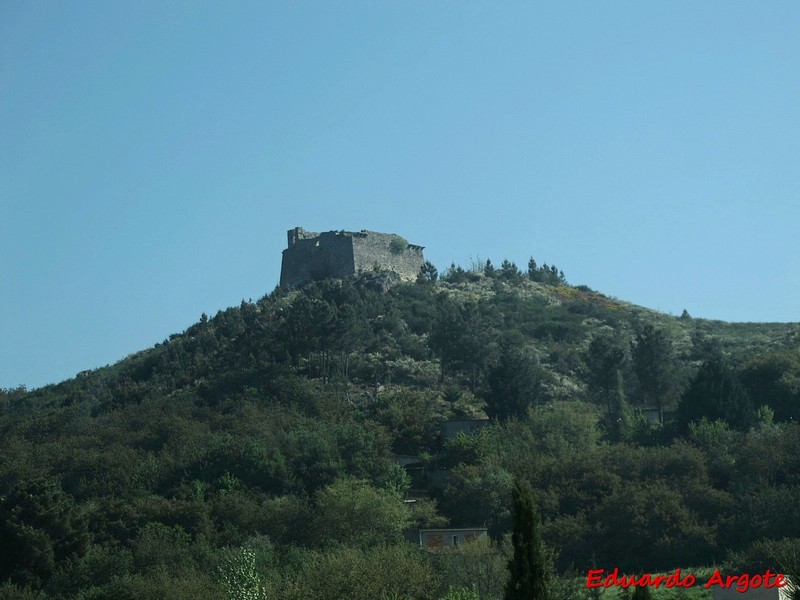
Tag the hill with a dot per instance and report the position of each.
(263, 441)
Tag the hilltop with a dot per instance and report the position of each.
(256, 429)
(552, 319)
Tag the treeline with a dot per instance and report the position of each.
(508, 271)
(252, 454)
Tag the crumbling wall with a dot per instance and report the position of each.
(388, 252)
(313, 256)
(328, 254)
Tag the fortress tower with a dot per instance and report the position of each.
(312, 256)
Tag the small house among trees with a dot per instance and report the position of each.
(435, 540)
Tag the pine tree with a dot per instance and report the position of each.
(428, 273)
(653, 364)
(529, 568)
(533, 270)
(604, 359)
(509, 271)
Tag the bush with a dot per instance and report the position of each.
(398, 245)
(378, 573)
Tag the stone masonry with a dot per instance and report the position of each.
(313, 256)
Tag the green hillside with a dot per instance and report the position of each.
(253, 454)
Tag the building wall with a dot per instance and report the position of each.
(313, 256)
(386, 251)
(439, 539)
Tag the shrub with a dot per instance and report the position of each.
(398, 245)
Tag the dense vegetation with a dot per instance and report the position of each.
(251, 455)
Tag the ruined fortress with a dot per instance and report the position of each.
(313, 256)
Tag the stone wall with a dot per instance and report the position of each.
(387, 251)
(313, 256)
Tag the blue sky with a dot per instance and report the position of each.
(153, 154)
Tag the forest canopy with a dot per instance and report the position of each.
(257, 452)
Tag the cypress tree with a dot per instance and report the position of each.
(529, 569)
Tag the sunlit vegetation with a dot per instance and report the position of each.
(251, 456)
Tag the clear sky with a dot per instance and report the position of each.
(153, 154)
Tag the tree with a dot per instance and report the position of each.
(460, 336)
(533, 270)
(774, 379)
(350, 511)
(455, 274)
(510, 272)
(547, 274)
(461, 594)
(652, 362)
(479, 567)
(372, 573)
(410, 416)
(530, 573)
(604, 359)
(428, 273)
(40, 526)
(239, 577)
(715, 393)
(479, 494)
(306, 326)
(515, 383)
